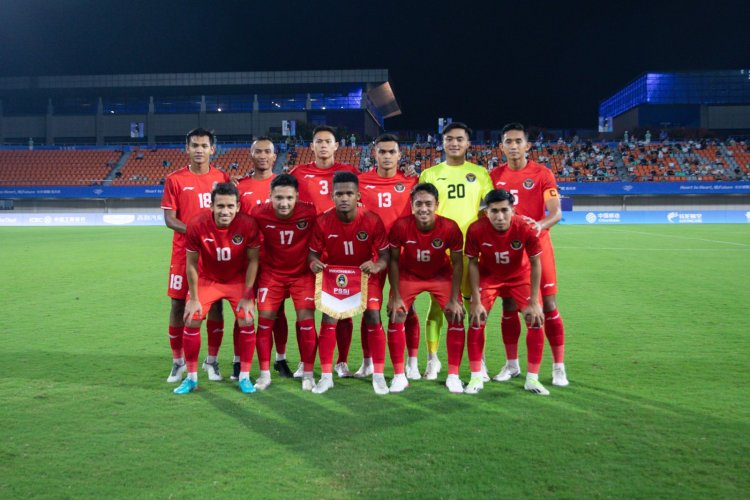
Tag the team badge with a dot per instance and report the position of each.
(437, 243)
(302, 224)
(237, 239)
(362, 236)
(516, 244)
(399, 188)
(471, 177)
(528, 183)
(342, 280)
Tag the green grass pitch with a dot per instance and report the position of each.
(658, 340)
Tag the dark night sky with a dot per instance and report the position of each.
(545, 63)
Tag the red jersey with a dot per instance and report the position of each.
(285, 241)
(424, 255)
(222, 252)
(389, 197)
(348, 243)
(316, 184)
(502, 255)
(189, 194)
(253, 192)
(532, 186)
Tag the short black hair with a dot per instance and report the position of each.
(263, 138)
(284, 180)
(324, 128)
(343, 176)
(386, 138)
(201, 132)
(424, 187)
(497, 195)
(225, 188)
(455, 125)
(515, 126)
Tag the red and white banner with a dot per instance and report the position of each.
(341, 291)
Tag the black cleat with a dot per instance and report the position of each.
(235, 371)
(282, 367)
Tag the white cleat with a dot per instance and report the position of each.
(342, 370)
(475, 385)
(308, 383)
(365, 370)
(485, 376)
(212, 369)
(323, 385)
(379, 384)
(536, 387)
(300, 370)
(176, 374)
(508, 372)
(412, 371)
(559, 377)
(433, 368)
(262, 383)
(399, 383)
(454, 384)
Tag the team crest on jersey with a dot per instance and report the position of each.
(237, 239)
(516, 244)
(362, 236)
(399, 188)
(437, 243)
(471, 177)
(342, 280)
(302, 224)
(528, 183)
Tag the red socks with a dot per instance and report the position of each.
(510, 326)
(376, 341)
(191, 343)
(364, 339)
(553, 327)
(475, 347)
(264, 342)
(534, 347)
(281, 331)
(215, 330)
(343, 338)
(412, 333)
(326, 346)
(247, 347)
(396, 343)
(455, 339)
(307, 338)
(175, 341)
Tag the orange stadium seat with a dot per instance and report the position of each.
(59, 167)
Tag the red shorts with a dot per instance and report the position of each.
(375, 284)
(272, 289)
(213, 291)
(440, 290)
(177, 286)
(548, 284)
(520, 293)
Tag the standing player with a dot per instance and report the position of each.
(535, 190)
(286, 225)
(461, 185)
(351, 236)
(187, 193)
(315, 185)
(222, 262)
(385, 191)
(419, 263)
(254, 190)
(497, 246)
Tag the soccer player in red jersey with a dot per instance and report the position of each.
(504, 261)
(222, 263)
(286, 225)
(351, 235)
(187, 193)
(254, 190)
(315, 185)
(537, 199)
(385, 191)
(420, 263)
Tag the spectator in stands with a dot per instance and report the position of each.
(353, 140)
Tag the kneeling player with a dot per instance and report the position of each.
(287, 225)
(222, 261)
(419, 263)
(496, 246)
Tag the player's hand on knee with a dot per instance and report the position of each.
(246, 306)
(192, 307)
(478, 315)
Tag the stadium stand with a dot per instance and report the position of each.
(61, 167)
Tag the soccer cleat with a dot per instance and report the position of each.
(433, 368)
(454, 384)
(262, 383)
(282, 367)
(364, 371)
(323, 385)
(536, 387)
(300, 370)
(176, 374)
(508, 372)
(235, 371)
(485, 376)
(187, 386)
(412, 372)
(559, 377)
(246, 386)
(308, 383)
(213, 371)
(379, 384)
(399, 383)
(475, 385)
(342, 370)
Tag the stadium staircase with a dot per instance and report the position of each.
(117, 167)
(278, 167)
